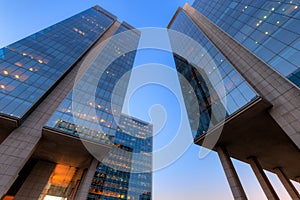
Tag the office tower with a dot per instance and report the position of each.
(61, 107)
(269, 29)
(253, 47)
(125, 172)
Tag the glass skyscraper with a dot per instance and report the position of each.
(61, 101)
(237, 91)
(270, 29)
(31, 66)
(254, 47)
(125, 173)
(116, 177)
(86, 55)
(103, 102)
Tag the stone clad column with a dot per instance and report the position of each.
(86, 181)
(263, 179)
(290, 188)
(36, 181)
(232, 177)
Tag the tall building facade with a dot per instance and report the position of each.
(253, 46)
(61, 112)
(269, 29)
(126, 171)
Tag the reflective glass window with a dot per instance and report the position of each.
(238, 92)
(275, 26)
(31, 66)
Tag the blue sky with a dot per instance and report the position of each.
(188, 177)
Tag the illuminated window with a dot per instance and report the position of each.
(34, 69)
(78, 31)
(19, 64)
(49, 197)
(8, 198)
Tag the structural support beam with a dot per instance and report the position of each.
(263, 179)
(290, 188)
(232, 177)
(86, 181)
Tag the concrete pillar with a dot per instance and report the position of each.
(290, 188)
(36, 181)
(232, 177)
(86, 181)
(15, 152)
(263, 179)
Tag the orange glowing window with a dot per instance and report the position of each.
(62, 175)
(8, 198)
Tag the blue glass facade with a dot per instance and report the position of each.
(237, 92)
(63, 118)
(31, 66)
(270, 29)
(126, 172)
